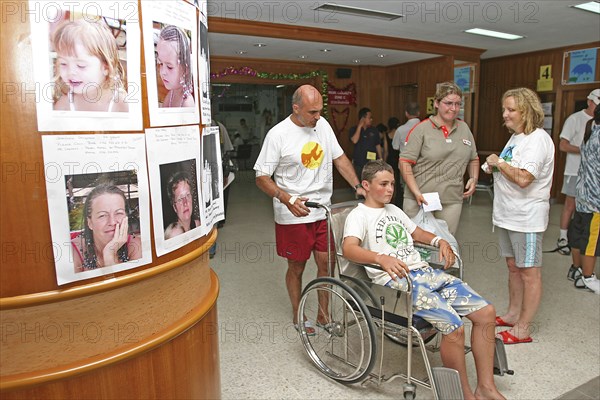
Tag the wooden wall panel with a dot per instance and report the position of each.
(425, 75)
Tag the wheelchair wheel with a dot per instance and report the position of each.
(344, 349)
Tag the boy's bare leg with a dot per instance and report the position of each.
(483, 347)
(452, 351)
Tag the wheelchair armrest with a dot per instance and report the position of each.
(458, 262)
(377, 266)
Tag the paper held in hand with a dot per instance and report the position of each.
(433, 202)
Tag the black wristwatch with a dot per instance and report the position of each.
(358, 186)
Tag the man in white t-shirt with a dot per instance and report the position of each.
(299, 153)
(571, 138)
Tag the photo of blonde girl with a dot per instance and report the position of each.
(88, 73)
(174, 66)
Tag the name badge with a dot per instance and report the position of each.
(467, 142)
(371, 155)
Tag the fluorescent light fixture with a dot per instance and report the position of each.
(302, 57)
(325, 50)
(280, 86)
(359, 12)
(494, 34)
(593, 6)
(260, 45)
(356, 61)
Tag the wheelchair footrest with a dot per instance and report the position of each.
(500, 360)
(447, 383)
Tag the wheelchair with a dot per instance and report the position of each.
(345, 349)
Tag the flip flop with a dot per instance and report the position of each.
(501, 322)
(509, 338)
(308, 328)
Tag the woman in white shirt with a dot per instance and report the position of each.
(522, 181)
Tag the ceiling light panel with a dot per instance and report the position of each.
(593, 6)
(356, 11)
(494, 34)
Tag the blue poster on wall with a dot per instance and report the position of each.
(462, 77)
(582, 67)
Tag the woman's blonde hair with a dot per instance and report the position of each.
(528, 103)
(98, 40)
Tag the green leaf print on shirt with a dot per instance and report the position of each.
(395, 234)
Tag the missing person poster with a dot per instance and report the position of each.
(212, 178)
(174, 166)
(86, 65)
(171, 50)
(98, 203)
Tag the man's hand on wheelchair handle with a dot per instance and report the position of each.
(447, 254)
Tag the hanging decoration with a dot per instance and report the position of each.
(345, 96)
(341, 115)
(248, 71)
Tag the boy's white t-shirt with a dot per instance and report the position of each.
(384, 230)
(300, 159)
(525, 209)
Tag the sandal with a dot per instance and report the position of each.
(309, 328)
(501, 322)
(509, 338)
(327, 327)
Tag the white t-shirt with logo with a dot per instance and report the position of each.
(300, 159)
(573, 131)
(525, 209)
(384, 230)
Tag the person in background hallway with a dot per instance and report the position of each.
(392, 159)
(245, 131)
(570, 142)
(584, 230)
(522, 181)
(299, 152)
(383, 133)
(367, 143)
(411, 112)
(437, 152)
(237, 141)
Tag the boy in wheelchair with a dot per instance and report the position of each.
(377, 232)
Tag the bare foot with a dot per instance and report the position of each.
(519, 332)
(485, 393)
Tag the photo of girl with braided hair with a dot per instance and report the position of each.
(174, 66)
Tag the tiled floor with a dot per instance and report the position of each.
(262, 356)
